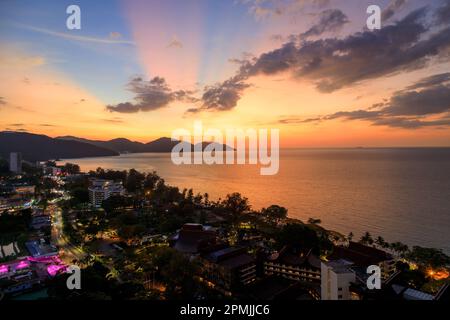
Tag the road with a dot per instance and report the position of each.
(68, 251)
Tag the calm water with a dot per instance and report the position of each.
(400, 194)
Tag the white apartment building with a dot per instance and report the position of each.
(336, 278)
(101, 190)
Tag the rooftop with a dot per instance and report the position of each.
(191, 238)
(360, 254)
(230, 257)
(289, 257)
(38, 249)
(339, 266)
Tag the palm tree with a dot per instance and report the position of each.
(366, 239)
(206, 199)
(399, 248)
(380, 241)
(350, 236)
(198, 199)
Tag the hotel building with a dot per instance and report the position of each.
(336, 277)
(101, 190)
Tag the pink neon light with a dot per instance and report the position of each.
(54, 269)
(22, 265)
(3, 269)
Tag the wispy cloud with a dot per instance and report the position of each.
(175, 43)
(113, 120)
(265, 9)
(393, 7)
(12, 59)
(47, 125)
(68, 36)
(331, 20)
(15, 130)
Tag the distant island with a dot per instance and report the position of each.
(37, 147)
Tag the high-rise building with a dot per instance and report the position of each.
(101, 190)
(336, 278)
(15, 162)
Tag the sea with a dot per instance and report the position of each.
(401, 194)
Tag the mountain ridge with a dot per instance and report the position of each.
(124, 145)
(39, 147)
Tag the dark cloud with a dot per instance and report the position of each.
(442, 15)
(353, 115)
(428, 101)
(125, 107)
(329, 20)
(393, 7)
(406, 123)
(150, 95)
(193, 110)
(406, 109)
(272, 62)
(431, 81)
(2, 101)
(16, 124)
(333, 63)
(337, 63)
(223, 96)
(298, 120)
(377, 106)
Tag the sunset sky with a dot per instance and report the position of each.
(311, 68)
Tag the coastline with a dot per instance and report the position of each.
(220, 181)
